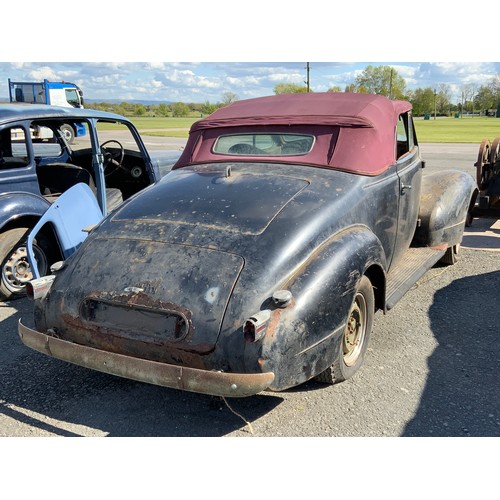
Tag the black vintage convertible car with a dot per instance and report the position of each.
(259, 261)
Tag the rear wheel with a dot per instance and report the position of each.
(451, 255)
(15, 271)
(68, 132)
(355, 337)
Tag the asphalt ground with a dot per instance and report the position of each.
(431, 371)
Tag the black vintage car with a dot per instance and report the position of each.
(38, 164)
(259, 261)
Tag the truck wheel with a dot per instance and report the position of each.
(14, 261)
(68, 132)
(354, 341)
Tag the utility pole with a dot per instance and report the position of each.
(307, 78)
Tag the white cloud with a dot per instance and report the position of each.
(287, 78)
(198, 82)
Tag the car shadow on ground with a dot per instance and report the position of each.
(461, 396)
(62, 399)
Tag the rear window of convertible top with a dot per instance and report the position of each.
(263, 144)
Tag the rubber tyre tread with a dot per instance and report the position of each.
(339, 371)
(451, 256)
(68, 132)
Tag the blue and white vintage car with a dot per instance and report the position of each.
(38, 165)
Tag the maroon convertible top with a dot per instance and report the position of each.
(361, 126)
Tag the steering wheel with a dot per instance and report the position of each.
(112, 159)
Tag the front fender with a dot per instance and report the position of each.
(444, 202)
(303, 339)
(20, 204)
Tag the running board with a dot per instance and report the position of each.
(414, 264)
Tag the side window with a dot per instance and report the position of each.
(412, 135)
(13, 148)
(116, 138)
(403, 135)
(72, 98)
(43, 140)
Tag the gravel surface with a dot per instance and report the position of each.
(432, 370)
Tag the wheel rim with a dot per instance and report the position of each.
(355, 331)
(495, 151)
(16, 272)
(482, 160)
(67, 132)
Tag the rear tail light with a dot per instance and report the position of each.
(38, 288)
(255, 327)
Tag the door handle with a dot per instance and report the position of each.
(405, 187)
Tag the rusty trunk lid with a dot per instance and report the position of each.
(216, 197)
(151, 291)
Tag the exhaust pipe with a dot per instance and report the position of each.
(38, 288)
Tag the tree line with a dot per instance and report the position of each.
(384, 80)
(177, 109)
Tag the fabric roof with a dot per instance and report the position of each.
(357, 131)
(330, 108)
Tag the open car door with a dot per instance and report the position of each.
(75, 210)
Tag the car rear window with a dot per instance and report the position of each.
(263, 144)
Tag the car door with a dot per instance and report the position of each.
(17, 168)
(409, 169)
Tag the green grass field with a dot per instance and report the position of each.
(472, 130)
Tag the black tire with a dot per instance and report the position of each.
(469, 219)
(354, 340)
(451, 256)
(15, 269)
(68, 132)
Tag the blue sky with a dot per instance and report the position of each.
(431, 45)
(199, 82)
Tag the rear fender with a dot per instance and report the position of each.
(309, 329)
(445, 200)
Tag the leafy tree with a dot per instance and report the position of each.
(422, 100)
(139, 110)
(179, 109)
(195, 107)
(383, 80)
(335, 88)
(443, 99)
(488, 96)
(467, 92)
(289, 88)
(163, 109)
(208, 108)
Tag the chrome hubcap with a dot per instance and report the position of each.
(16, 271)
